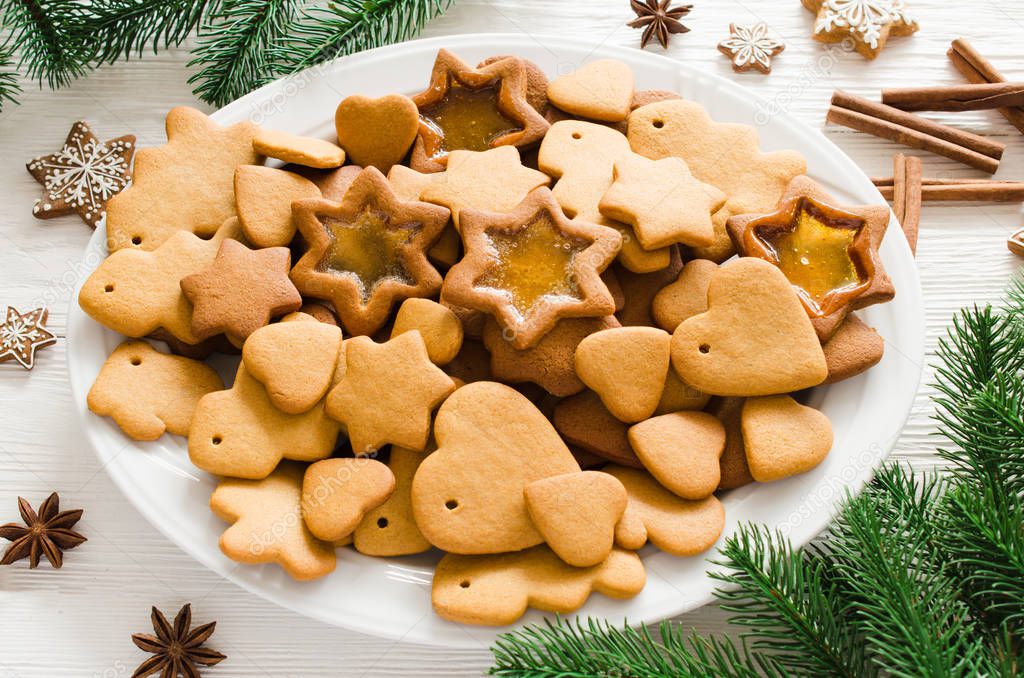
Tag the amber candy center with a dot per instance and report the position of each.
(814, 251)
(532, 263)
(467, 118)
(369, 248)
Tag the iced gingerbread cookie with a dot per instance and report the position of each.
(376, 132)
(337, 493)
(491, 443)
(473, 109)
(266, 524)
(300, 150)
(754, 339)
(868, 24)
(497, 589)
(627, 367)
(531, 267)
(577, 513)
(367, 252)
(147, 392)
(783, 437)
(186, 184)
(294, 361)
(681, 450)
(390, 529)
(599, 90)
(264, 197)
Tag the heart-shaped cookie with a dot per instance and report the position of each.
(492, 442)
(627, 367)
(754, 339)
(599, 90)
(264, 197)
(377, 132)
(294, 361)
(577, 514)
(681, 450)
(783, 437)
(336, 493)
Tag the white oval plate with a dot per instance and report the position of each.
(391, 597)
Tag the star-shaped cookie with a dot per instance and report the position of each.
(750, 47)
(867, 23)
(241, 291)
(466, 108)
(828, 251)
(21, 334)
(388, 393)
(532, 266)
(83, 175)
(186, 184)
(492, 181)
(367, 252)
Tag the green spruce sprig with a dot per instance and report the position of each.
(9, 86)
(919, 576)
(120, 28)
(41, 30)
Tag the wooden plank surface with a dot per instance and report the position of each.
(77, 622)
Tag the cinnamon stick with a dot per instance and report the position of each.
(973, 97)
(914, 131)
(899, 185)
(935, 181)
(993, 191)
(911, 220)
(977, 69)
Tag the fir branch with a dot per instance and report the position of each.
(119, 28)
(790, 603)
(41, 30)
(9, 86)
(235, 48)
(349, 26)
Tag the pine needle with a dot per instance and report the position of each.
(42, 32)
(119, 28)
(235, 48)
(9, 86)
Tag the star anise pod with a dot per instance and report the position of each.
(658, 19)
(176, 650)
(46, 533)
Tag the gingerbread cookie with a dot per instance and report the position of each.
(266, 524)
(333, 184)
(853, 349)
(295, 362)
(551, 364)
(732, 465)
(531, 267)
(136, 292)
(496, 590)
(473, 109)
(300, 150)
(473, 363)
(376, 132)
(491, 443)
(754, 339)
(264, 197)
(536, 81)
(388, 392)
(783, 437)
(337, 493)
(677, 526)
(681, 450)
(197, 167)
(679, 396)
(368, 251)
(868, 25)
(491, 181)
(577, 513)
(663, 202)
(627, 367)
(639, 290)
(439, 328)
(390, 529)
(147, 392)
(829, 252)
(83, 175)
(684, 298)
(239, 432)
(584, 421)
(22, 334)
(750, 47)
(599, 90)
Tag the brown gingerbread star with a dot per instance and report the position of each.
(828, 251)
(473, 109)
(83, 175)
(241, 292)
(367, 252)
(532, 266)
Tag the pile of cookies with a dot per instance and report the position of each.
(500, 318)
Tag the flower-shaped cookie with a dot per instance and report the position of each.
(466, 108)
(532, 266)
(829, 252)
(368, 251)
(750, 47)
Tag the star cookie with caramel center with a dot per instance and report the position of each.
(532, 266)
(473, 109)
(241, 292)
(367, 252)
(83, 175)
(828, 251)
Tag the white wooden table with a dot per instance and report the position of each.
(77, 622)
